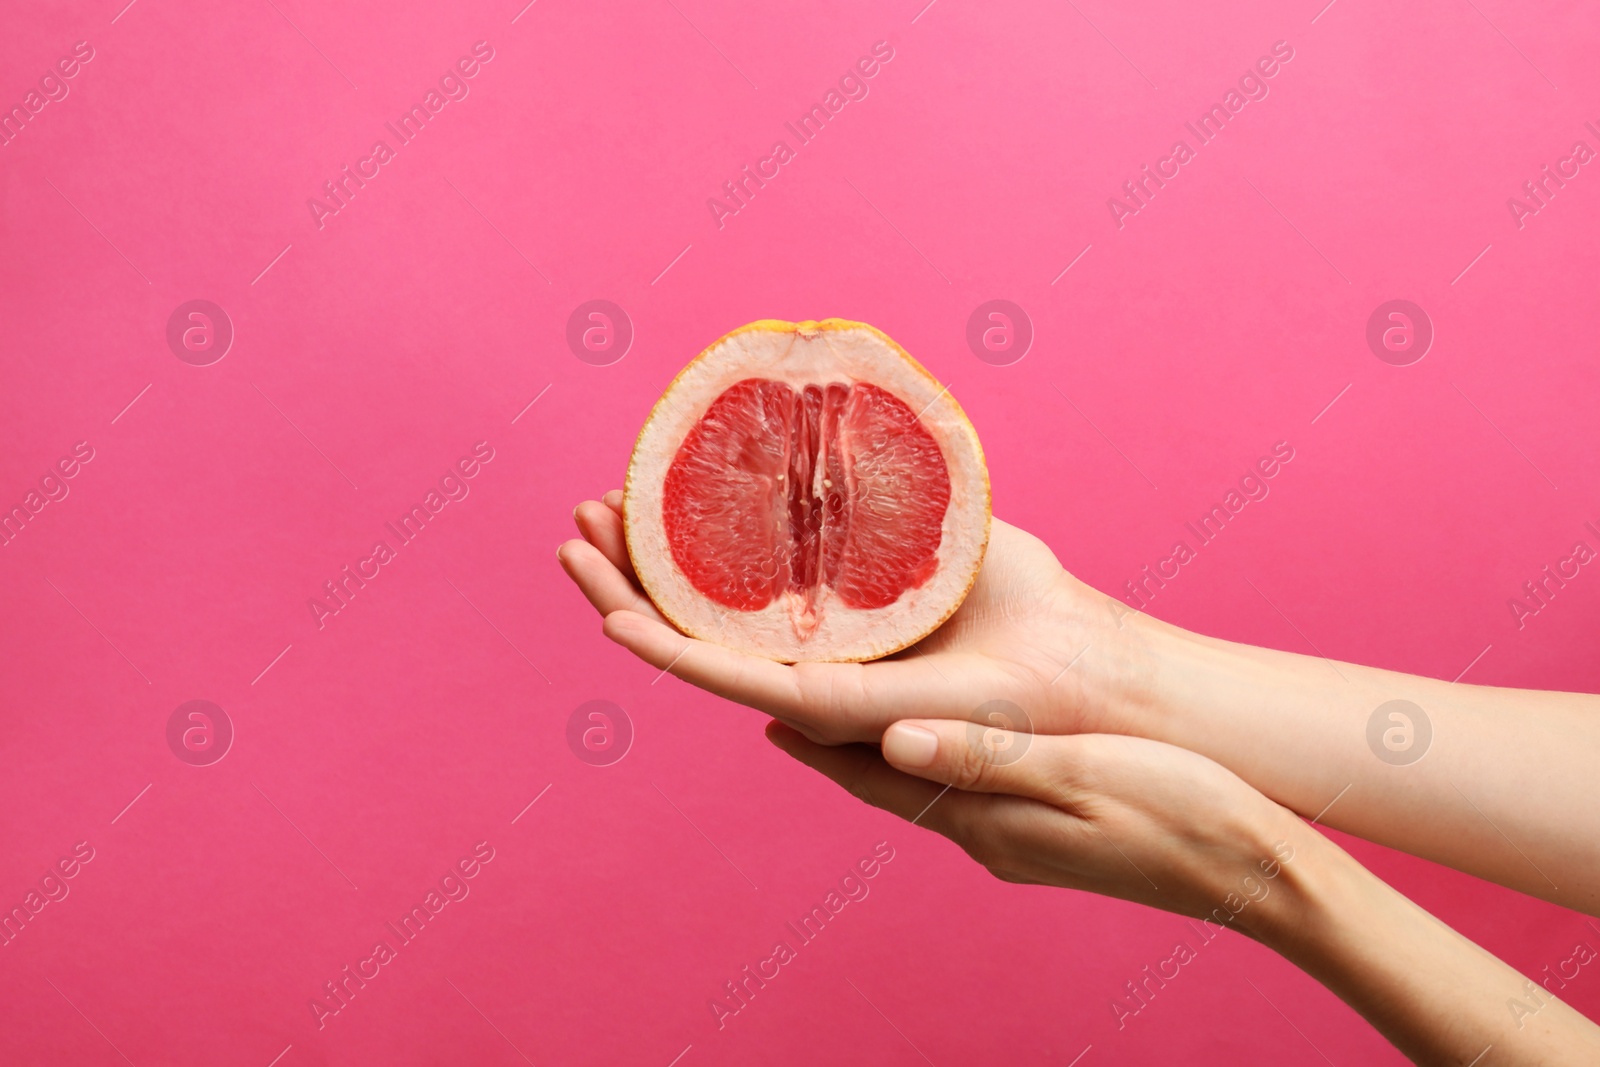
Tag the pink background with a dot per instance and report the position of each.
(424, 717)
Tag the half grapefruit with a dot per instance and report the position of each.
(807, 491)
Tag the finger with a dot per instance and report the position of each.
(613, 500)
(864, 774)
(602, 528)
(801, 728)
(840, 702)
(985, 759)
(858, 701)
(1015, 837)
(600, 582)
(759, 683)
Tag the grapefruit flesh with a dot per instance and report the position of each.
(778, 490)
(807, 491)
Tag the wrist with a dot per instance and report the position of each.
(1318, 888)
(1195, 691)
(1156, 678)
(1277, 890)
(1116, 656)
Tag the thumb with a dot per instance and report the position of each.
(982, 759)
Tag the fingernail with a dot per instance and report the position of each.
(910, 746)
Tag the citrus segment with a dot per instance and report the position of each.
(774, 490)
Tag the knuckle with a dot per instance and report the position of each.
(816, 689)
(847, 692)
(980, 851)
(967, 830)
(823, 736)
(971, 767)
(816, 737)
(988, 855)
(830, 696)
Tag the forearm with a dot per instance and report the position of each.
(1437, 996)
(1502, 788)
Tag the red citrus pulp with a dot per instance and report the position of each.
(807, 491)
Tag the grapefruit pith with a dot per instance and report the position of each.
(807, 491)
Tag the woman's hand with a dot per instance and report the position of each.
(1298, 728)
(1028, 633)
(1149, 822)
(1151, 818)
(1119, 816)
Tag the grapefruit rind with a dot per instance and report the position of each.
(799, 354)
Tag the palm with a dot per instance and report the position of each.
(1017, 637)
